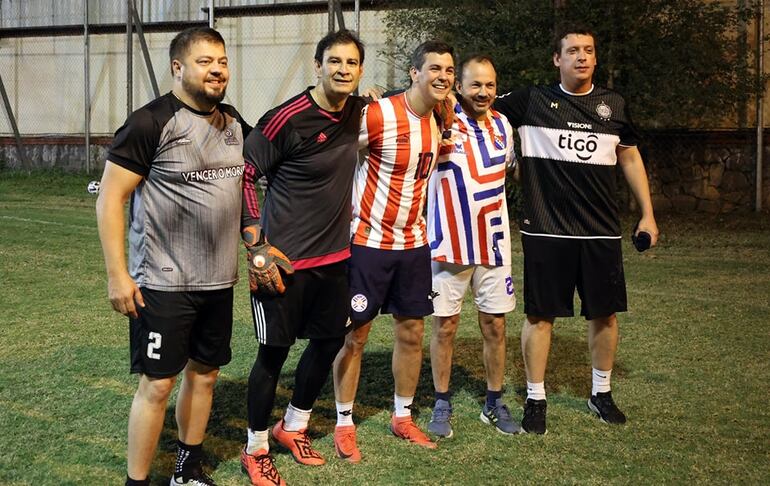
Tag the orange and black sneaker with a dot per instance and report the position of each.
(260, 468)
(405, 428)
(345, 443)
(298, 444)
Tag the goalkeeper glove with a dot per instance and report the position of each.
(265, 265)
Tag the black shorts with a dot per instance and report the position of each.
(173, 327)
(389, 281)
(553, 267)
(314, 306)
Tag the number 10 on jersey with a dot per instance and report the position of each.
(424, 162)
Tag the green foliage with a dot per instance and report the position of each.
(691, 374)
(681, 62)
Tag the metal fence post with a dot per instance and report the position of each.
(129, 58)
(87, 90)
(760, 103)
(12, 119)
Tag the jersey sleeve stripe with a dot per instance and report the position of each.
(250, 190)
(283, 115)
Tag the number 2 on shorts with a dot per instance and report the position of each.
(153, 345)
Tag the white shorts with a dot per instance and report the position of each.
(492, 287)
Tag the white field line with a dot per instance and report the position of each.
(55, 223)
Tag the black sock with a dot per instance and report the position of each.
(313, 370)
(443, 395)
(263, 381)
(492, 397)
(134, 482)
(187, 457)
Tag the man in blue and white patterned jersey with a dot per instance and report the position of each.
(179, 160)
(573, 135)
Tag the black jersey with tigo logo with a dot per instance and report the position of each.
(568, 145)
(308, 156)
(184, 223)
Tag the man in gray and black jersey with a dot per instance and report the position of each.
(179, 161)
(573, 135)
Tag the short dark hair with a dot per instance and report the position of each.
(343, 36)
(427, 47)
(473, 58)
(567, 29)
(183, 40)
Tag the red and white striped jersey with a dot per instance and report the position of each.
(398, 151)
(467, 211)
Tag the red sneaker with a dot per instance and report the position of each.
(298, 444)
(405, 428)
(260, 468)
(345, 443)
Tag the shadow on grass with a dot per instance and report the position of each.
(569, 373)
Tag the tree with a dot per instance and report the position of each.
(679, 61)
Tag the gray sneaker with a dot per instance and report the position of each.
(500, 417)
(439, 421)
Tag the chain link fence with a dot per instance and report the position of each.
(271, 46)
(42, 64)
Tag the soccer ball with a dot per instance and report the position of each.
(93, 187)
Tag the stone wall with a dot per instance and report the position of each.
(60, 153)
(709, 171)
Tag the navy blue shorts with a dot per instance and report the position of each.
(554, 267)
(394, 282)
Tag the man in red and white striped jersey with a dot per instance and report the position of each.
(389, 268)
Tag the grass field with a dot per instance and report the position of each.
(693, 371)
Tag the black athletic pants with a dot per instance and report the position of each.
(309, 377)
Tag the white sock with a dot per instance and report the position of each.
(257, 441)
(536, 391)
(402, 406)
(295, 419)
(600, 381)
(344, 413)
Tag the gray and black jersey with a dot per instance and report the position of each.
(185, 214)
(568, 145)
(309, 156)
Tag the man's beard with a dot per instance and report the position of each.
(199, 94)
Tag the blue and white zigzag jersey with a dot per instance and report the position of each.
(467, 210)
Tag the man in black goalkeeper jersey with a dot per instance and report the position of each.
(307, 149)
(573, 134)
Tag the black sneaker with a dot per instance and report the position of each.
(194, 477)
(534, 417)
(604, 407)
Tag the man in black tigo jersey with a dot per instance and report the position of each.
(573, 134)
(179, 159)
(307, 150)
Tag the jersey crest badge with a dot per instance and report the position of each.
(230, 138)
(604, 111)
(499, 142)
